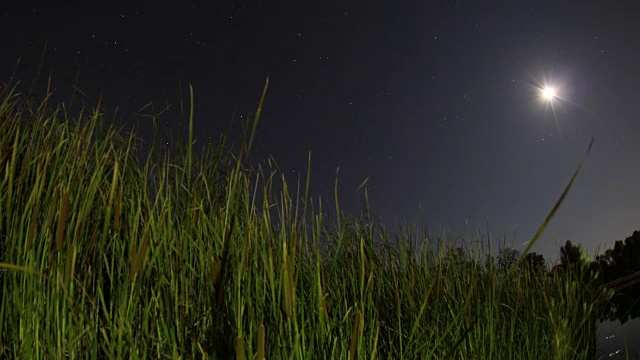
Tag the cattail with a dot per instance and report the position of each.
(62, 220)
(261, 342)
(354, 337)
(239, 348)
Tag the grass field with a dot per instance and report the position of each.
(185, 256)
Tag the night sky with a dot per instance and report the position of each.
(438, 104)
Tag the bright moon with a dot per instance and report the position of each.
(549, 93)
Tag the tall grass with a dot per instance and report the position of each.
(103, 256)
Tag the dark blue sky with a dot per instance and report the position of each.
(436, 103)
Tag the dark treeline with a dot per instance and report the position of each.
(621, 260)
(615, 263)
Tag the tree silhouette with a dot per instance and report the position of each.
(534, 262)
(570, 255)
(507, 257)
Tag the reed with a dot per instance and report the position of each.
(185, 256)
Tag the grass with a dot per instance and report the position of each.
(185, 256)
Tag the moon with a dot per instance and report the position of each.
(548, 93)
